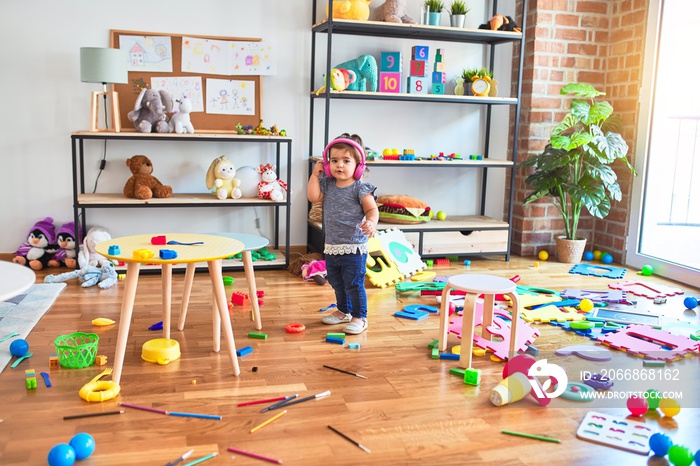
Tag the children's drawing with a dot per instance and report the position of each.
(148, 53)
(206, 56)
(253, 58)
(180, 87)
(230, 97)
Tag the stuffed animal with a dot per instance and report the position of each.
(149, 113)
(67, 253)
(314, 271)
(501, 23)
(393, 11)
(366, 73)
(350, 9)
(340, 80)
(180, 121)
(270, 187)
(87, 256)
(221, 179)
(37, 251)
(142, 184)
(104, 277)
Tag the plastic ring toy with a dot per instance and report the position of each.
(575, 395)
(99, 391)
(295, 328)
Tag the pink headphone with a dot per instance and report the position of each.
(359, 170)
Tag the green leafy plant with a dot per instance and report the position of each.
(469, 73)
(574, 168)
(458, 7)
(434, 6)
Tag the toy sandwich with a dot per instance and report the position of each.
(403, 209)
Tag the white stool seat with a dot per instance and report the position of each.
(475, 285)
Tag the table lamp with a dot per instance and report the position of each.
(106, 66)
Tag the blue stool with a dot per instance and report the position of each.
(250, 243)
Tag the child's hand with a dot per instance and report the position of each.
(318, 169)
(367, 227)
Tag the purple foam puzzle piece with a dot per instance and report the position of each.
(590, 352)
(597, 296)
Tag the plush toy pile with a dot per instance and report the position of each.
(350, 9)
(67, 242)
(150, 111)
(142, 184)
(39, 247)
(501, 23)
(393, 11)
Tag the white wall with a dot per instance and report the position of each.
(41, 83)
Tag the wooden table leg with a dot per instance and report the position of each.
(216, 322)
(217, 282)
(444, 318)
(189, 278)
(132, 278)
(468, 314)
(166, 283)
(252, 288)
(487, 315)
(514, 321)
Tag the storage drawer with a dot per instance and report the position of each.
(453, 243)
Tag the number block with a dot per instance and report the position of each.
(390, 62)
(440, 67)
(420, 52)
(390, 82)
(419, 68)
(438, 88)
(417, 85)
(438, 77)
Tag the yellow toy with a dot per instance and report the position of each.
(340, 80)
(221, 179)
(350, 9)
(97, 390)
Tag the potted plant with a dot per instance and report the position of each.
(458, 13)
(469, 75)
(434, 8)
(575, 167)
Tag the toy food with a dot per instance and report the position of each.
(402, 209)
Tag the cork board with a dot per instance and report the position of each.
(202, 121)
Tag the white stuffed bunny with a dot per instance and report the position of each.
(87, 255)
(180, 121)
(221, 179)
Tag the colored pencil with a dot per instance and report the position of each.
(279, 403)
(253, 455)
(349, 439)
(181, 459)
(197, 415)
(536, 437)
(306, 398)
(104, 413)
(345, 372)
(202, 459)
(256, 402)
(272, 419)
(143, 408)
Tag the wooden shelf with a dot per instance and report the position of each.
(176, 200)
(433, 163)
(196, 137)
(402, 96)
(453, 223)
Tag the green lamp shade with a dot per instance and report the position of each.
(102, 65)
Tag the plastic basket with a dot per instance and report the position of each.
(77, 349)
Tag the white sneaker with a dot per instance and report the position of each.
(332, 319)
(356, 327)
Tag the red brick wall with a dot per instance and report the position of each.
(598, 42)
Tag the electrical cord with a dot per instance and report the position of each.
(103, 160)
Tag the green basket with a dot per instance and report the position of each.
(77, 349)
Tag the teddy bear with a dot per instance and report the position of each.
(270, 187)
(393, 11)
(142, 184)
(67, 242)
(221, 179)
(350, 9)
(180, 121)
(149, 113)
(39, 248)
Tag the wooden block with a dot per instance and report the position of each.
(420, 52)
(418, 68)
(390, 62)
(100, 359)
(417, 85)
(390, 82)
(258, 335)
(438, 77)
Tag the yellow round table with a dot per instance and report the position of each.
(135, 250)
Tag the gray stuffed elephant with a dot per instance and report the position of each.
(149, 113)
(365, 68)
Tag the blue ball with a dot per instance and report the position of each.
(61, 455)
(690, 302)
(19, 347)
(588, 256)
(697, 457)
(607, 258)
(660, 443)
(83, 444)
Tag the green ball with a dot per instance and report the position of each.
(653, 397)
(647, 270)
(679, 455)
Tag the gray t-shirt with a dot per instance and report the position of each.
(342, 215)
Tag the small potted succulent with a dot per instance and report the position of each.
(458, 13)
(434, 8)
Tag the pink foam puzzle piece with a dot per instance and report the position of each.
(650, 342)
(645, 289)
(500, 327)
(551, 313)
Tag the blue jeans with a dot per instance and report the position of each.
(346, 274)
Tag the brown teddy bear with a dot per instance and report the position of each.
(143, 185)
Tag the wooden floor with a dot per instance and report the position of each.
(409, 410)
